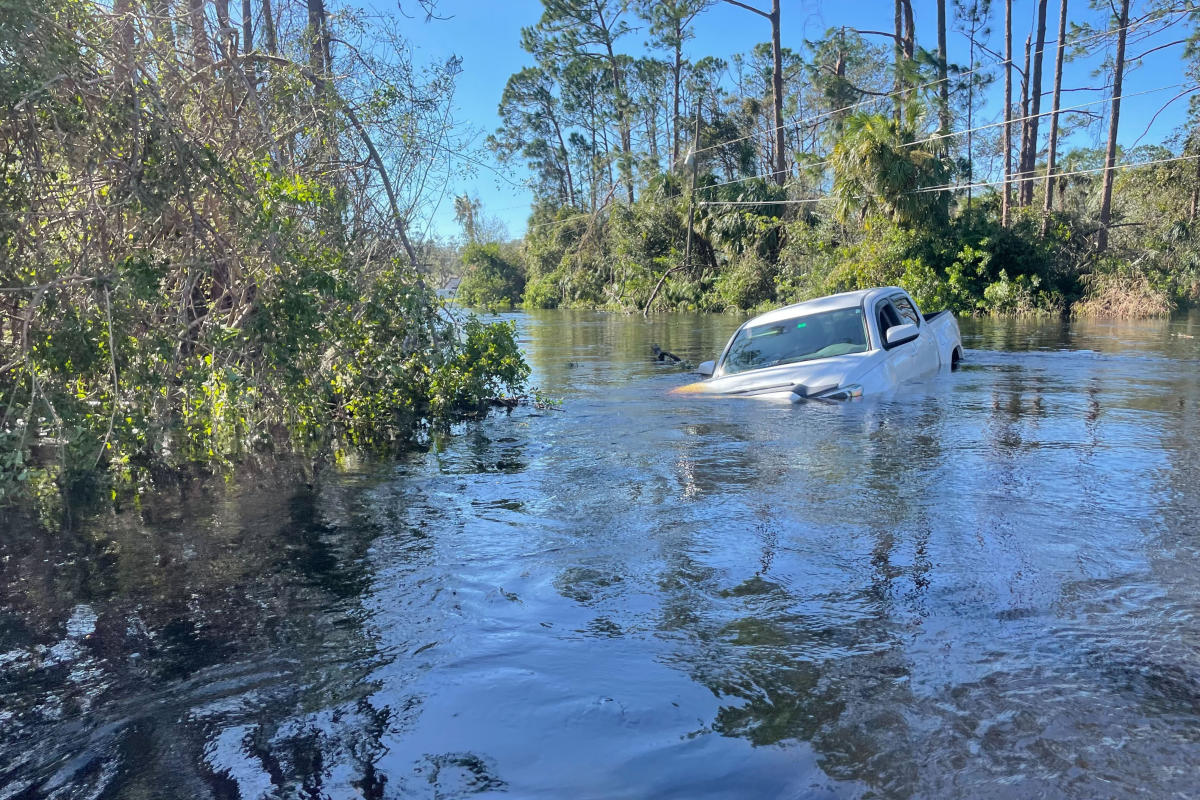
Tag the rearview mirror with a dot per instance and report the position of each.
(706, 369)
(899, 334)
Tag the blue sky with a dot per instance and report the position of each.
(486, 35)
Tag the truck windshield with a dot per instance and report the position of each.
(829, 333)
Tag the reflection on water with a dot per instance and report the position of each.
(984, 588)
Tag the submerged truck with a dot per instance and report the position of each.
(834, 348)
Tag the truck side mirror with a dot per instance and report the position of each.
(900, 334)
(706, 369)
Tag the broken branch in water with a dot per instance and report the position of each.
(663, 355)
(536, 401)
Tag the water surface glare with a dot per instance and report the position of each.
(986, 588)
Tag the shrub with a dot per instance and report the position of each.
(493, 278)
(746, 282)
(1122, 291)
(541, 292)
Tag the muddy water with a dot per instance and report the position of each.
(985, 588)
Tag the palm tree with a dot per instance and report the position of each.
(466, 210)
(879, 168)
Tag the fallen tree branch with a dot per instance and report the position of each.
(654, 294)
(510, 403)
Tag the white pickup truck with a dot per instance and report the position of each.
(834, 348)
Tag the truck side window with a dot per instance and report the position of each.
(887, 319)
(906, 309)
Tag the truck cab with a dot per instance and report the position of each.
(834, 347)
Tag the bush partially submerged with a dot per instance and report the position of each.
(971, 265)
(494, 278)
(1123, 293)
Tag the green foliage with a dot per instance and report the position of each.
(542, 292)
(646, 240)
(757, 252)
(566, 258)
(183, 286)
(1162, 244)
(971, 265)
(884, 167)
(33, 54)
(488, 364)
(493, 277)
(747, 282)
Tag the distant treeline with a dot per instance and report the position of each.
(861, 159)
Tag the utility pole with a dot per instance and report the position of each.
(694, 157)
(777, 91)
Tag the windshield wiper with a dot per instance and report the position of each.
(796, 359)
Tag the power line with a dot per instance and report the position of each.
(925, 190)
(1014, 120)
(882, 97)
(564, 220)
(935, 137)
(953, 186)
(1034, 173)
(1029, 174)
(868, 101)
(1098, 34)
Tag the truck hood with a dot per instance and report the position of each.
(814, 376)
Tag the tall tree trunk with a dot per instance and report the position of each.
(625, 157)
(1114, 121)
(1029, 154)
(910, 33)
(594, 180)
(566, 157)
(268, 23)
(1055, 104)
(1195, 193)
(318, 30)
(898, 54)
(605, 148)
(651, 122)
(247, 26)
(779, 168)
(123, 30)
(166, 45)
(943, 72)
(676, 75)
(777, 91)
(226, 31)
(1004, 198)
(971, 119)
(1021, 176)
(201, 48)
(839, 69)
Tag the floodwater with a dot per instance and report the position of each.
(985, 588)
